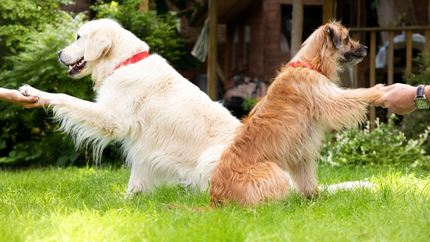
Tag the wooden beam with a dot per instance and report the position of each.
(296, 27)
(327, 11)
(372, 75)
(390, 62)
(144, 5)
(212, 50)
(220, 72)
(390, 58)
(381, 29)
(355, 36)
(358, 6)
(427, 43)
(409, 50)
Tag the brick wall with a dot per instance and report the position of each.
(266, 57)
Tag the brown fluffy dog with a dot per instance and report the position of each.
(285, 129)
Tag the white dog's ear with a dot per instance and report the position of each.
(98, 44)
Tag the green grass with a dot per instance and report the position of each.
(87, 204)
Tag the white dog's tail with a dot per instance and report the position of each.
(205, 165)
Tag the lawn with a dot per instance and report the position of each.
(87, 204)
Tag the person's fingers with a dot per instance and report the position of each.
(379, 102)
(33, 105)
(26, 99)
(30, 99)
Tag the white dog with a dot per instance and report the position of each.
(170, 131)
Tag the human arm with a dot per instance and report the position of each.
(16, 97)
(400, 98)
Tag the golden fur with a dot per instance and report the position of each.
(285, 129)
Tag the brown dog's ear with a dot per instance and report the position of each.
(98, 44)
(335, 37)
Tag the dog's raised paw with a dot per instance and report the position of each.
(377, 86)
(27, 90)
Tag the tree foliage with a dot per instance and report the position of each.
(17, 18)
(159, 32)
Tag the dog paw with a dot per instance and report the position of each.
(27, 90)
(377, 86)
(312, 194)
(376, 93)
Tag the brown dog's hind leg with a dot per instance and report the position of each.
(249, 186)
(304, 178)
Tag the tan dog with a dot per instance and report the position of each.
(285, 129)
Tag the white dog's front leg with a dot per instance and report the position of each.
(136, 182)
(86, 121)
(80, 115)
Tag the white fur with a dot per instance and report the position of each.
(170, 131)
(351, 185)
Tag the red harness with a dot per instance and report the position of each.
(136, 58)
(302, 64)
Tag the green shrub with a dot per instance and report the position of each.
(249, 103)
(416, 122)
(20, 17)
(159, 32)
(25, 135)
(385, 145)
(31, 33)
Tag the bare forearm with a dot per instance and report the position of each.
(16, 97)
(5, 94)
(427, 92)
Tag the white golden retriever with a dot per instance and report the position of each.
(170, 131)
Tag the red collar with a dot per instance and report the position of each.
(136, 58)
(303, 64)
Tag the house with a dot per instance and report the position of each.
(251, 38)
(258, 34)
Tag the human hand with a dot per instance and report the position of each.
(17, 97)
(399, 98)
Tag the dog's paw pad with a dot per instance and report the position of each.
(27, 90)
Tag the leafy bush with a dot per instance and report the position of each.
(27, 138)
(31, 33)
(249, 103)
(159, 32)
(20, 17)
(25, 134)
(416, 122)
(385, 145)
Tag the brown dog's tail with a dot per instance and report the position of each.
(248, 185)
